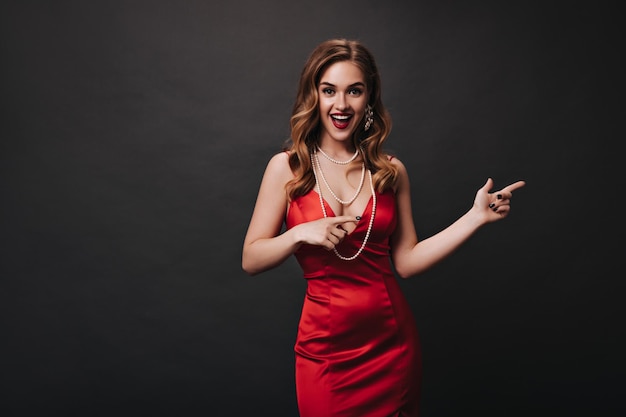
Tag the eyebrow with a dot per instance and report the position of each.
(357, 84)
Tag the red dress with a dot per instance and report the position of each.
(357, 348)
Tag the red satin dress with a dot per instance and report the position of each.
(357, 347)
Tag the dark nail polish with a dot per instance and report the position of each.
(358, 217)
(499, 196)
(495, 209)
(492, 205)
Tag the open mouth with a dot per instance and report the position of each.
(341, 121)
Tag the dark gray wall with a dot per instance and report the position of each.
(134, 136)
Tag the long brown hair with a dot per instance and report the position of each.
(305, 118)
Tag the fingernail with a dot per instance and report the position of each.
(499, 196)
(358, 217)
(492, 205)
(495, 209)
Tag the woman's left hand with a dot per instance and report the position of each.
(497, 205)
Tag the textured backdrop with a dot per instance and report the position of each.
(134, 136)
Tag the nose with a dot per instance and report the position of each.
(341, 103)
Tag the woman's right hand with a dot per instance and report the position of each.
(327, 232)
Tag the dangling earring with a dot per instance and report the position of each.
(369, 117)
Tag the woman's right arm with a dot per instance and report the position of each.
(264, 246)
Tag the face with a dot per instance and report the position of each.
(342, 100)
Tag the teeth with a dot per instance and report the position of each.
(338, 117)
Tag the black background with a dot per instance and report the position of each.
(134, 137)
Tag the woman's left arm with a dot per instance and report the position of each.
(412, 256)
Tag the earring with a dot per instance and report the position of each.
(369, 117)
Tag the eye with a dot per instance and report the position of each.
(328, 91)
(355, 91)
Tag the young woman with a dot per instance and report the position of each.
(346, 206)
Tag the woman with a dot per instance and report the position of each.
(346, 206)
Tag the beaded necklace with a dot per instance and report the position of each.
(317, 167)
(358, 190)
(352, 158)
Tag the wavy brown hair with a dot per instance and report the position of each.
(305, 118)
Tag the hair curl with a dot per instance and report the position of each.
(305, 118)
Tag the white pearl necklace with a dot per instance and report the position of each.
(352, 158)
(369, 226)
(358, 190)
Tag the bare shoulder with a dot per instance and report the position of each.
(403, 176)
(278, 167)
(396, 162)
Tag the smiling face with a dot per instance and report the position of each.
(342, 99)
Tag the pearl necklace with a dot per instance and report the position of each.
(352, 158)
(369, 226)
(356, 194)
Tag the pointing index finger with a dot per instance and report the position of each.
(512, 187)
(344, 219)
